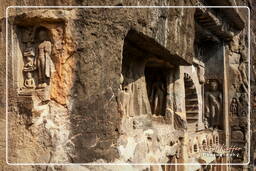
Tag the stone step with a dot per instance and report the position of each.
(192, 112)
(191, 100)
(192, 95)
(188, 109)
(191, 105)
(193, 118)
(190, 91)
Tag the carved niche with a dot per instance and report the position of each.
(156, 89)
(37, 62)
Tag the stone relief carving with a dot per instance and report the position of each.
(157, 95)
(213, 104)
(44, 63)
(206, 124)
(243, 105)
(29, 55)
(38, 66)
(125, 96)
(243, 76)
(234, 107)
(29, 81)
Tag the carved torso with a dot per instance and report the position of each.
(44, 62)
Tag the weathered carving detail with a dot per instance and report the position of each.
(29, 81)
(201, 72)
(243, 105)
(206, 124)
(124, 97)
(234, 107)
(213, 104)
(38, 66)
(86, 114)
(44, 62)
(157, 96)
(238, 133)
(29, 55)
(243, 69)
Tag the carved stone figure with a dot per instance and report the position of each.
(27, 35)
(213, 106)
(29, 81)
(44, 63)
(244, 79)
(29, 55)
(234, 106)
(206, 124)
(30, 62)
(244, 113)
(243, 99)
(125, 99)
(157, 97)
(243, 104)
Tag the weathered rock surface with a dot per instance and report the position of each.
(83, 121)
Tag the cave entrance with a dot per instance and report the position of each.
(146, 69)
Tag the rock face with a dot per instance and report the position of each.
(127, 85)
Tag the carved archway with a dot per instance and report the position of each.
(191, 100)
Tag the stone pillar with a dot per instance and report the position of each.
(179, 99)
(170, 97)
(225, 100)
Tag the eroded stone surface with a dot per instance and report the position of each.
(87, 113)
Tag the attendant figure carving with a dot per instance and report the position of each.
(29, 55)
(234, 106)
(29, 81)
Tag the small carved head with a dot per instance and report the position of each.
(234, 100)
(214, 85)
(42, 35)
(29, 75)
